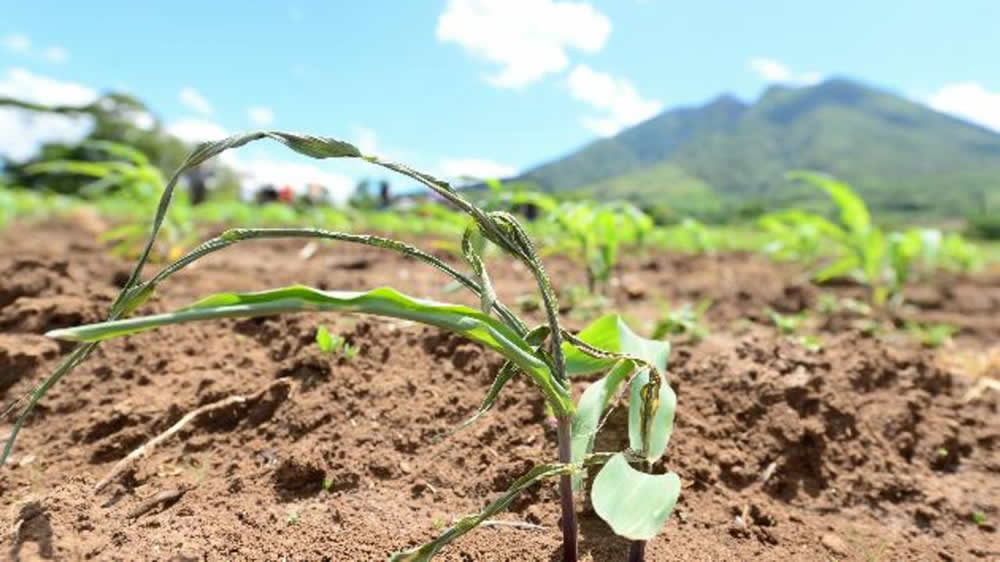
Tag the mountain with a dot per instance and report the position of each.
(727, 155)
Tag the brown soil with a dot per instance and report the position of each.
(864, 450)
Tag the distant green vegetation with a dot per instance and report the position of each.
(854, 246)
(726, 157)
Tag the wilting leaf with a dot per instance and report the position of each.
(611, 334)
(385, 301)
(659, 426)
(424, 552)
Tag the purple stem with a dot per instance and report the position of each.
(566, 492)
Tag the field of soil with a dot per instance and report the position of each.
(869, 449)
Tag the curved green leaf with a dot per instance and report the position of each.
(612, 335)
(853, 211)
(636, 505)
(384, 301)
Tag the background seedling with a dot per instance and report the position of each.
(862, 251)
(334, 344)
(931, 335)
(787, 324)
(686, 321)
(979, 518)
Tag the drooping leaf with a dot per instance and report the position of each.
(634, 504)
(472, 246)
(385, 301)
(611, 334)
(426, 551)
(650, 415)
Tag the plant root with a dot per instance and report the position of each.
(143, 450)
(165, 498)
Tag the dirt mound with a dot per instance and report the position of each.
(862, 450)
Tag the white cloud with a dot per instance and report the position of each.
(22, 132)
(261, 116)
(621, 103)
(191, 130)
(527, 38)
(21, 44)
(479, 168)
(776, 71)
(969, 101)
(367, 141)
(192, 99)
(56, 54)
(17, 43)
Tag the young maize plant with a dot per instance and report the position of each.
(597, 232)
(634, 502)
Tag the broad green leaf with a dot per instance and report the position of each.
(385, 301)
(589, 410)
(611, 334)
(661, 424)
(634, 504)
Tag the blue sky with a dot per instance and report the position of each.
(482, 87)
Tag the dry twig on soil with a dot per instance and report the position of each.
(148, 447)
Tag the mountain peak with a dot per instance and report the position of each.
(898, 153)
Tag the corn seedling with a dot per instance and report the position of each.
(686, 321)
(787, 324)
(334, 344)
(634, 502)
(932, 335)
(596, 232)
(882, 261)
(689, 236)
(791, 326)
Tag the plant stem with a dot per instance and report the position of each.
(637, 551)
(566, 492)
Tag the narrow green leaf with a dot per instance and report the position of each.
(634, 504)
(384, 301)
(655, 428)
(426, 551)
(507, 372)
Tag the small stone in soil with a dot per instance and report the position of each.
(835, 544)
